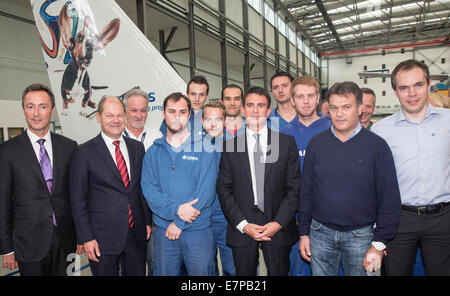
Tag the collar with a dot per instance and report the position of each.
(262, 132)
(129, 134)
(34, 138)
(431, 110)
(353, 133)
(109, 141)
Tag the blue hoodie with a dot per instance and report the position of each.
(303, 134)
(174, 176)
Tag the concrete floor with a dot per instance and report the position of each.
(87, 271)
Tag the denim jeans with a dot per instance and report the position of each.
(194, 249)
(330, 248)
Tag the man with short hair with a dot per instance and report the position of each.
(305, 95)
(349, 185)
(178, 182)
(112, 220)
(213, 123)
(284, 112)
(36, 227)
(231, 98)
(419, 136)
(368, 107)
(136, 112)
(197, 91)
(257, 185)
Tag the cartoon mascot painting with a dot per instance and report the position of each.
(82, 46)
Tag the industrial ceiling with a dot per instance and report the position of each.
(341, 27)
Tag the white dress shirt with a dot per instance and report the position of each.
(123, 148)
(147, 137)
(37, 147)
(251, 142)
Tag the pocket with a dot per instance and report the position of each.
(315, 225)
(363, 232)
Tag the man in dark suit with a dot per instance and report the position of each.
(36, 227)
(112, 220)
(258, 187)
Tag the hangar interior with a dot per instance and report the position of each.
(246, 41)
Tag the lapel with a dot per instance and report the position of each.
(243, 156)
(133, 163)
(28, 153)
(102, 150)
(268, 165)
(57, 161)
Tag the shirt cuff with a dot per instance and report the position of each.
(7, 254)
(241, 225)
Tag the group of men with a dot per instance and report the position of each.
(316, 192)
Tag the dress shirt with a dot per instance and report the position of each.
(123, 148)
(421, 155)
(354, 132)
(37, 148)
(146, 137)
(251, 142)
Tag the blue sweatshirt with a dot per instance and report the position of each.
(303, 134)
(350, 185)
(174, 176)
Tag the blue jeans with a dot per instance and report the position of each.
(219, 228)
(330, 248)
(194, 249)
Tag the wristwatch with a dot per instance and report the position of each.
(379, 246)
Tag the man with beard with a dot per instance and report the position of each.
(305, 95)
(178, 183)
(136, 104)
(136, 111)
(232, 100)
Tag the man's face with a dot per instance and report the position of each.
(368, 107)
(305, 100)
(325, 108)
(37, 108)
(176, 114)
(136, 114)
(213, 121)
(281, 88)
(344, 113)
(112, 118)
(232, 100)
(197, 94)
(256, 111)
(412, 90)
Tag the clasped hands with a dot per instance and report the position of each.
(187, 213)
(262, 233)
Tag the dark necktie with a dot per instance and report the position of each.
(46, 168)
(122, 166)
(259, 172)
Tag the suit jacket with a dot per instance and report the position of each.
(26, 223)
(281, 188)
(100, 199)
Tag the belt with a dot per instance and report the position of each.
(423, 210)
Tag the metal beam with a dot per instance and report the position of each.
(191, 30)
(223, 44)
(246, 66)
(141, 19)
(329, 23)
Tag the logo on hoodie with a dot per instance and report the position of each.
(189, 157)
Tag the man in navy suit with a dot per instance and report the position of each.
(112, 220)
